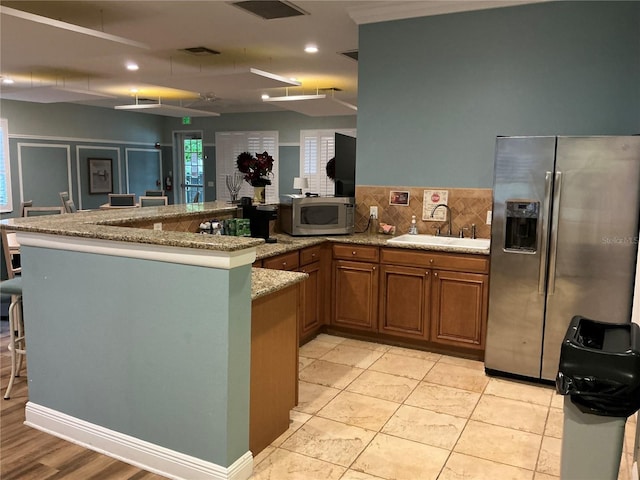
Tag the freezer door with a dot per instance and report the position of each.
(594, 245)
(523, 173)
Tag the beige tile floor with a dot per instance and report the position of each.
(368, 412)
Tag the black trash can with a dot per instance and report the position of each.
(599, 372)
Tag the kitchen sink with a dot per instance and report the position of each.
(432, 240)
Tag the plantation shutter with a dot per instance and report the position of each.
(231, 144)
(317, 147)
(6, 201)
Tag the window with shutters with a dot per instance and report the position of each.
(6, 202)
(231, 144)
(317, 147)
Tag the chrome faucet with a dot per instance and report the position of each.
(448, 216)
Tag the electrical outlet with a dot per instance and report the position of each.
(373, 212)
(489, 212)
(157, 226)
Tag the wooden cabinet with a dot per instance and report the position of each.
(286, 261)
(436, 296)
(355, 287)
(274, 365)
(312, 293)
(405, 301)
(459, 308)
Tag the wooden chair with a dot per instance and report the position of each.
(11, 253)
(17, 345)
(13, 286)
(153, 201)
(40, 211)
(70, 206)
(122, 200)
(25, 204)
(64, 196)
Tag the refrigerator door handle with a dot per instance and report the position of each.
(553, 241)
(544, 234)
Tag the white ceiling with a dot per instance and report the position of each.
(83, 47)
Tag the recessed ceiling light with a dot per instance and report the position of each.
(134, 90)
(265, 96)
(132, 66)
(7, 81)
(311, 49)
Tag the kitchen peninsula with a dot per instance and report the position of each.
(145, 343)
(140, 340)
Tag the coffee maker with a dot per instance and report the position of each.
(259, 217)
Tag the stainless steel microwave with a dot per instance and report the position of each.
(300, 215)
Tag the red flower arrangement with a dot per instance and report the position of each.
(256, 169)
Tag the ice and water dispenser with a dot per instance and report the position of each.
(521, 219)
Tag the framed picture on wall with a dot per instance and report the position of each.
(100, 175)
(397, 197)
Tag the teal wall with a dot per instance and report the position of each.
(103, 133)
(434, 92)
(288, 124)
(112, 343)
(68, 120)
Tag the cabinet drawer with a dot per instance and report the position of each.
(356, 252)
(286, 261)
(448, 261)
(309, 255)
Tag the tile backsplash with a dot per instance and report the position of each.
(468, 206)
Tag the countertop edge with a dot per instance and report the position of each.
(265, 281)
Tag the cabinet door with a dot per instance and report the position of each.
(311, 301)
(355, 294)
(459, 308)
(286, 261)
(405, 301)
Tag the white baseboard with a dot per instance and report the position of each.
(151, 457)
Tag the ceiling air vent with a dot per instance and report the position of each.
(352, 54)
(270, 9)
(201, 51)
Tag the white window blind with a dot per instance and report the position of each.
(231, 144)
(6, 202)
(317, 147)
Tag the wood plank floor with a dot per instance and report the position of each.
(29, 454)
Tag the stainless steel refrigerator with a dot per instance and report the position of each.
(564, 240)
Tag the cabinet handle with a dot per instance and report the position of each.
(284, 264)
(435, 274)
(426, 273)
(353, 253)
(313, 255)
(431, 260)
(304, 271)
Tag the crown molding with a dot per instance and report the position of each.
(401, 10)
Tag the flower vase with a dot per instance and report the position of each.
(258, 195)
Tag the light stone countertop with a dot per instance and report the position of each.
(265, 281)
(108, 225)
(287, 243)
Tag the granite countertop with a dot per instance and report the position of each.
(287, 243)
(107, 225)
(265, 281)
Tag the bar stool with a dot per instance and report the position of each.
(17, 345)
